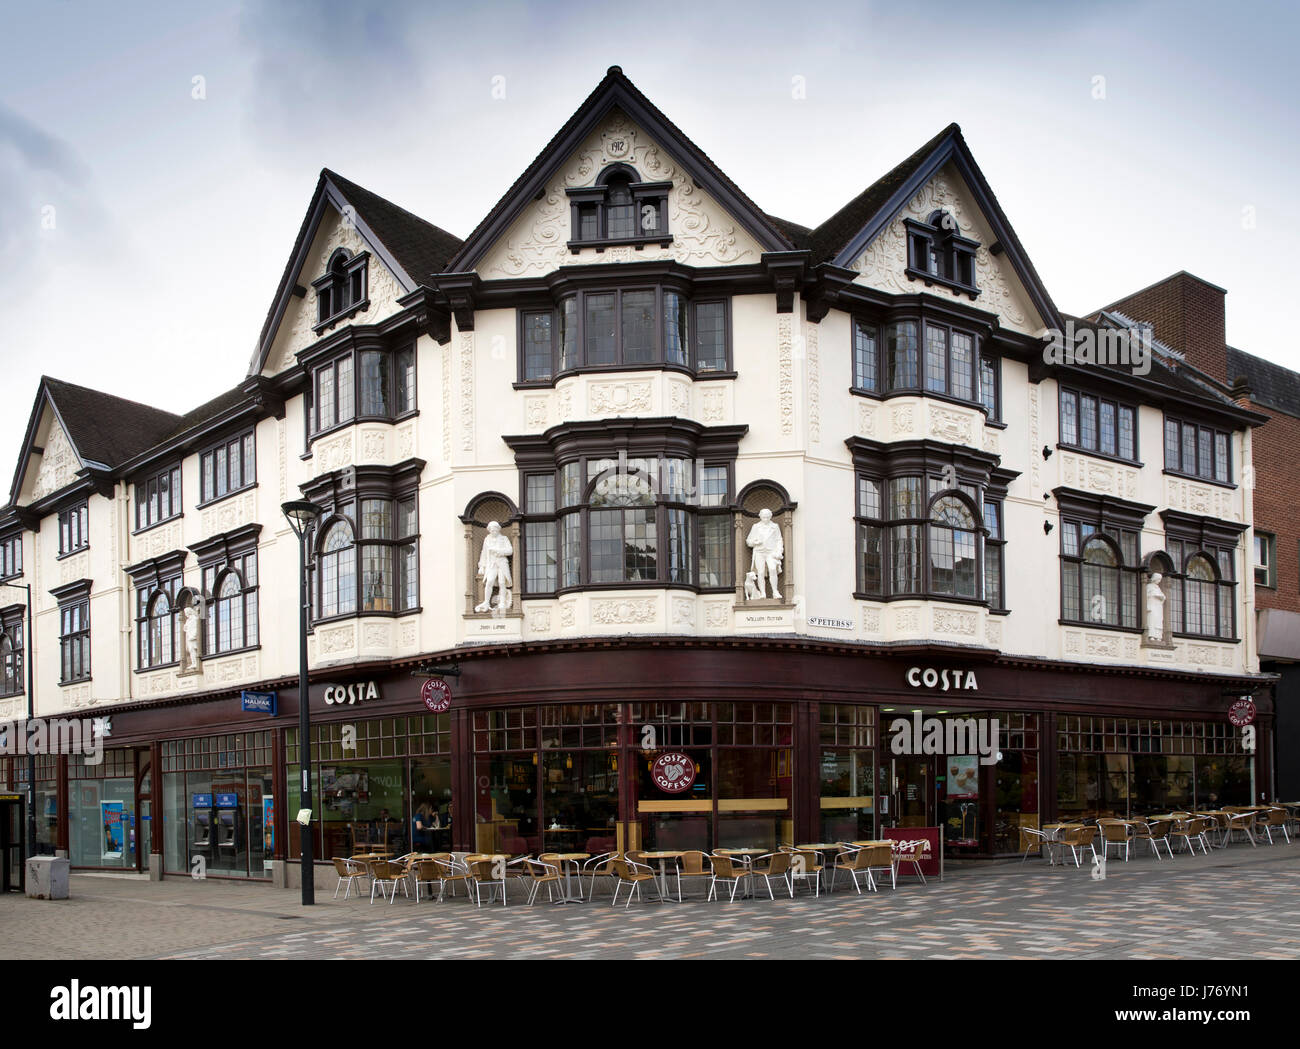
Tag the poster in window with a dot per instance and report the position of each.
(268, 829)
(963, 776)
(110, 813)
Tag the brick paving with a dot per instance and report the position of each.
(1237, 903)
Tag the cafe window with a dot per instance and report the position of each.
(847, 733)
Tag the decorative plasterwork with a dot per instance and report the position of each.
(1094, 475)
(612, 611)
(814, 384)
(882, 265)
(229, 514)
(866, 419)
(785, 359)
(536, 413)
(1204, 500)
(619, 398)
(1034, 457)
(955, 621)
(446, 403)
(703, 234)
(467, 390)
(951, 424)
(59, 464)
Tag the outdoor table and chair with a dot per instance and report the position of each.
(566, 863)
(661, 859)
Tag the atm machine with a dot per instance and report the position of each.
(226, 828)
(201, 838)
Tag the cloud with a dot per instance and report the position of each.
(46, 199)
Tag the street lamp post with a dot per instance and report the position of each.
(28, 641)
(302, 515)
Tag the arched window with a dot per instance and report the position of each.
(619, 209)
(162, 630)
(337, 572)
(953, 544)
(1202, 596)
(232, 613)
(939, 254)
(342, 287)
(11, 662)
(1100, 573)
(632, 521)
(622, 217)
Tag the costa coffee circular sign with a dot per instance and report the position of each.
(1242, 712)
(436, 694)
(673, 773)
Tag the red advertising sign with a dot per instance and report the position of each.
(1242, 712)
(436, 694)
(673, 773)
(910, 841)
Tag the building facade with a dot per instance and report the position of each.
(689, 505)
(1187, 313)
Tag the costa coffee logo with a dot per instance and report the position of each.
(673, 773)
(436, 694)
(1242, 712)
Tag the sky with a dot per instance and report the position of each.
(156, 160)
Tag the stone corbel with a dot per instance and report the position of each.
(460, 291)
(787, 270)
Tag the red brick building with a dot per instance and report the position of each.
(1187, 315)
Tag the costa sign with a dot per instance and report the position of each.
(340, 695)
(436, 694)
(1242, 712)
(942, 679)
(673, 773)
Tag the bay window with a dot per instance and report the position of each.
(377, 384)
(911, 356)
(624, 328)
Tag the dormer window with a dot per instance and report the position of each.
(342, 289)
(619, 209)
(938, 254)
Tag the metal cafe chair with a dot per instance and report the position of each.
(348, 872)
(692, 864)
(1036, 840)
(542, 873)
(633, 875)
(777, 866)
(601, 866)
(1277, 817)
(386, 872)
(805, 864)
(857, 863)
(727, 869)
(1117, 833)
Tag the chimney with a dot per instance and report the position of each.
(1186, 314)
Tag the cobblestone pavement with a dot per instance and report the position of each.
(1237, 903)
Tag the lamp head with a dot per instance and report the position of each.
(301, 514)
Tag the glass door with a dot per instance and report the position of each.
(912, 791)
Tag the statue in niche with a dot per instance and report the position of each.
(765, 540)
(190, 632)
(1155, 609)
(494, 570)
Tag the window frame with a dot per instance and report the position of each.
(939, 233)
(175, 497)
(147, 597)
(395, 486)
(1219, 584)
(879, 332)
(74, 604)
(1114, 520)
(1119, 408)
(11, 556)
(584, 199)
(209, 454)
(393, 388)
(1178, 470)
(1269, 565)
(13, 665)
(341, 273)
(560, 367)
(74, 529)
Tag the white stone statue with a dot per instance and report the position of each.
(190, 628)
(1155, 609)
(765, 540)
(494, 569)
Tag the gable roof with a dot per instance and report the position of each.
(846, 235)
(616, 91)
(104, 430)
(410, 247)
(1271, 385)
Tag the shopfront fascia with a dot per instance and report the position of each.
(555, 748)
